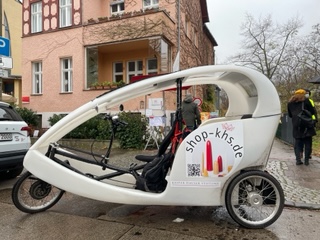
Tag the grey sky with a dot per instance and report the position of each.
(226, 17)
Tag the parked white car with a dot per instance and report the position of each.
(14, 141)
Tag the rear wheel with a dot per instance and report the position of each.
(254, 199)
(31, 195)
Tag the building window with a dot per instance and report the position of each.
(117, 7)
(37, 78)
(152, 66)
(92, 66)
(66, 75)
(118, 72)
(188, 27)
(150, 3)
(65, 13)
(134, 68)
(6, 27)
(36, 17)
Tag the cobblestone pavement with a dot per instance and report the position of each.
(301, 184)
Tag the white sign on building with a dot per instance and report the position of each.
(155, 103)
(5, 62)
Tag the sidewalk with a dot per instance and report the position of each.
(301, 184)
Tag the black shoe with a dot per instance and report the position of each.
(299, 163)
(306, 163)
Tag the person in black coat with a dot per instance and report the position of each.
(302, 135)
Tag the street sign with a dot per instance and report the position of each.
(4, 46)
(5, 62)
(198, 101)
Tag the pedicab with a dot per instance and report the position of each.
(221, 163)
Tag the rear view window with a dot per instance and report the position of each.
(8, 113)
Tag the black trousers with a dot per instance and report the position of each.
(300, 144)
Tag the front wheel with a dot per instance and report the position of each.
(31, 195)
(254, 199)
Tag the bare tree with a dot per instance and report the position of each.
(265, 43)
(277, 51)
(311, 50)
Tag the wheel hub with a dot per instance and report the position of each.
(39, 190)
(255, 199)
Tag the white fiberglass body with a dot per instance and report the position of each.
(205, 161)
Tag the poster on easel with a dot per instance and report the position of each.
(156, 121)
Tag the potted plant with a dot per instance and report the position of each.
(119, 83)
(91, 20)
(106, 84)
(103, 19)
(93, 85)
(99, 86)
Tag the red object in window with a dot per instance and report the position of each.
(141, 77)
(25, 99)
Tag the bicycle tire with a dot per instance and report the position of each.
(32, 195)
(254, 199)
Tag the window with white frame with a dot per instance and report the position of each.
(134, 68)
(92, 66)
(37, 78)
(36, 17)
(66, 75)
(118, 72)
(65, 13)
(117, 7)
(152, 66)
(150, 3)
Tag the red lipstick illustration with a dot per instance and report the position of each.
(220, 163)
(209, 156)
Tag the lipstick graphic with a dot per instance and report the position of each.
(203, 169)
(209, 156)
(220, 164)
(215, 167)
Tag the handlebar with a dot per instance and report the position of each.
(115, 120)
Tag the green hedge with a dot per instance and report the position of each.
(130, 136)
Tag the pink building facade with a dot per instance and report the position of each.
(72, 49)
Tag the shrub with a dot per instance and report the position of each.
(55, 118)
(29, 116)
(132, 135)
(94, 128)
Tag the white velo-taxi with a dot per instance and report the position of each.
(221, 163)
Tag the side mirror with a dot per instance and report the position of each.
(121, 107)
